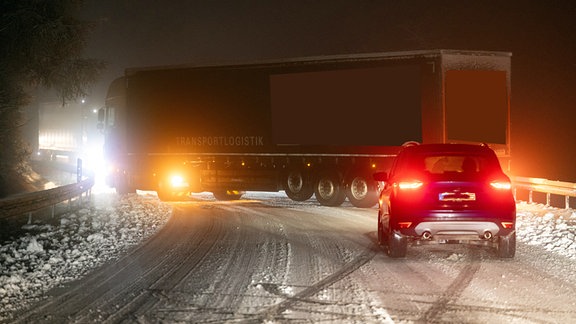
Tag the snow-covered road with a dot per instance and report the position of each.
(266, 258)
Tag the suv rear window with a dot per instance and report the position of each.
(438, 164)
(443, 163)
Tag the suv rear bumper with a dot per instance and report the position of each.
(475, 224)
(456, 230)
(478, 229)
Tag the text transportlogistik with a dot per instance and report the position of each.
(220, 140)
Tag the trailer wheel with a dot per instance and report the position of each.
(227, 195)
(329, 189)
(361, 191)
(298, 185)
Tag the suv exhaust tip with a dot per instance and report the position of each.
(426, 235)
(487, 235)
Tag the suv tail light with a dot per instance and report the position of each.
(501, 185)
(410, 185)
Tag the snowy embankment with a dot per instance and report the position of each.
(550, 228)
(48, 255)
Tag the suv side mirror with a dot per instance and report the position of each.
(380, 176)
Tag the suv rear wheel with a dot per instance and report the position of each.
(397, 245)
(381, 236)
(507, 246)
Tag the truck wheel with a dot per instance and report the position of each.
(227, 195)
(298, 185)
(506, 246)
(329, 190)
(361, 191)
(397, 245)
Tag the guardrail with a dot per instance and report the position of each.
(549, 187)
(30, 202)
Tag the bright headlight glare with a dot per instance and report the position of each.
(177, 181)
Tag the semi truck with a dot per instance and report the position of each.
(310, 126)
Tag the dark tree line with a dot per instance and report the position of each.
(41, 45)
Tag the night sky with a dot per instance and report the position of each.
(540, 34)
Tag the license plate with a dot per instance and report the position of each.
(457, 196)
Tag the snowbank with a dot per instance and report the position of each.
(51, 254)
(550, 228)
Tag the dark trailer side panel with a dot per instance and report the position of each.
(273, 109)
(198, 111)
(378, 106)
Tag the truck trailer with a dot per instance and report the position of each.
(312, 126)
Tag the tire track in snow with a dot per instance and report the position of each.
(346, 270)
(239, 258)
(453, 291)
(174, 272)
(243, 261)
(119, 290)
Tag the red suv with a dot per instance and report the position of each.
(439, 193)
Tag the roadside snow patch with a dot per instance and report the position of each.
(79, 242)
(34, 246)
